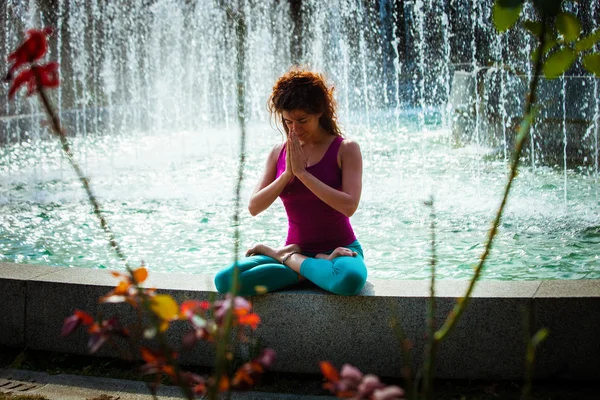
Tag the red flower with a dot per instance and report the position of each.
(241, 311)
(74, 321)
(156, 363)
(47, 75)
(34, 48)
(99, 332)
(249, 373)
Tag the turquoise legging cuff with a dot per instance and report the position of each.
(342, 275)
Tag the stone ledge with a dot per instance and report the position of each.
(306, 325)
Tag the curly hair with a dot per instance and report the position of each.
(299, 89)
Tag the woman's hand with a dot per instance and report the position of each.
(296, 160)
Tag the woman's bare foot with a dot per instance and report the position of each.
(284, 251)
(268, 251)
(277, 254)
(338, 252)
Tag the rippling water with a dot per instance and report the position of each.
(169, 200)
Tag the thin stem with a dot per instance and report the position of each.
(222, 344)
(461, 304)
(145, 300)
(82, 178)
(407, 360)
(431, 342)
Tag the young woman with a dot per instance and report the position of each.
(318, 176)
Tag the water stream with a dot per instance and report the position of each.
(149, 88)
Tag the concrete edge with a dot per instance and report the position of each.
(316, 325)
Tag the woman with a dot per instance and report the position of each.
(318, 176)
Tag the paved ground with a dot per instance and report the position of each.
(75, 387)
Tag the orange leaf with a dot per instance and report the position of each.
(241, 311)
(251, 320)
(164, 325)
(329, 371)
(242, 375)
(224, 384)
(147, 355)
(122, 288)
(169, 370)
(140, 274)
(189, 307)
(132, 302)
(85, 318)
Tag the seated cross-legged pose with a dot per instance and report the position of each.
(318, 176)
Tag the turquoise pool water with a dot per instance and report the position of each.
(169, 199)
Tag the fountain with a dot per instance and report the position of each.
(428, 88)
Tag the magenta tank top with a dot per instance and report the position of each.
(312, 224)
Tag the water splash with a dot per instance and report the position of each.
(169, 68)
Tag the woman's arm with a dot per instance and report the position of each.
(269, 187)
(345, 200)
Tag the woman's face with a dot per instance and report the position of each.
(304, 124)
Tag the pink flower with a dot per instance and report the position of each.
(351, 383)
(388, 393)
(351, 374)
(369, 384)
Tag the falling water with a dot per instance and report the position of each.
(597, 123)
(138, 71)
(397, 63)
(419, 75)
(444, 77)
(169, 69)
(475, 13)
(363, 58)
(563, 93)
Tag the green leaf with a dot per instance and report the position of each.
(534, 54)
(539, 336)
(534, 27)
(568, 26)
(591, 62)
(588, 42)
(558, 62)
(549, 45)
(505, 17)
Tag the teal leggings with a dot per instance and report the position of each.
(342, 275)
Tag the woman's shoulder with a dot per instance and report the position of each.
(349, 146)
(275, 150)
(275, 153)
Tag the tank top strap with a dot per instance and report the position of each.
(332, 151)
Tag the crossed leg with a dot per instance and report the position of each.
(343, 271)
